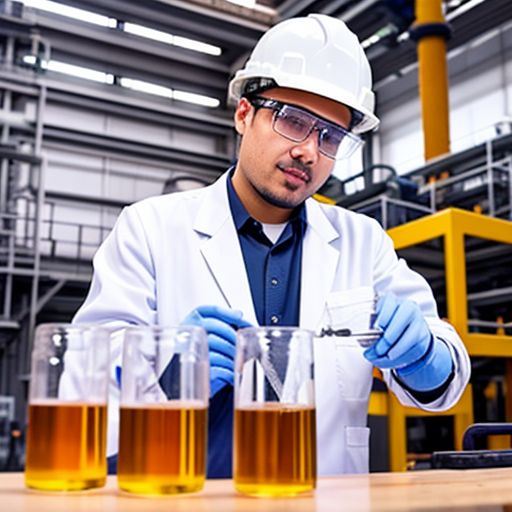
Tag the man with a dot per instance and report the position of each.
(253, 248)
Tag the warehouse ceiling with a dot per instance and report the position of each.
(380, 24)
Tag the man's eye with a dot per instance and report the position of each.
(296, 122)
(331, 136)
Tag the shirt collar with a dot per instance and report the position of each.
(241, 215)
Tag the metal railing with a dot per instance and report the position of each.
(391, 212)
(72, 242)
(488, 185)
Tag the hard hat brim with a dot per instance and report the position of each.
(312, 85)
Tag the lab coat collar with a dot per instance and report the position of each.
(318, 221)
(221, 250)
(320, 259)
(214, 210)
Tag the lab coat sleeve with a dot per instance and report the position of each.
(123, 290)
(122, 293)
(392, 274)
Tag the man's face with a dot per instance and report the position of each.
(273, 170)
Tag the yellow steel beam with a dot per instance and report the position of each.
(482, 226)
(455, 276)
(397, 434)
(323, 199)
(421, 230)
(435, 225)
(463, 415)
(433, 78)
(508, 391)
(488, 345)
(378, 403)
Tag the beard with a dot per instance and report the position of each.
(284, 200)
(287, 203)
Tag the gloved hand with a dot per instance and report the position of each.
(220, 324)
(420, 360)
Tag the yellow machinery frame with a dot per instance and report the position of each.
(453, 225)
(386, 404)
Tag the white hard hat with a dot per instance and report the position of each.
(317, 54)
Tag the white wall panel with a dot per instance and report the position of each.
(70, 176)
(98, 123)
(401, 136)
(135, 129)
(194, 141)
(76, 119)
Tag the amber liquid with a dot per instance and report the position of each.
(66, 446)
(162, 448)
(274, 450)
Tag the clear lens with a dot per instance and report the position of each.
(293, 124)
(333, 141)
(330, 139)
(348, 146)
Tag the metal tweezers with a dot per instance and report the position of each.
(364, 338)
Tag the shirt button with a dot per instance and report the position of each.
(274, 281)
(274, 319)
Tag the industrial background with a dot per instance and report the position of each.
(105, 102)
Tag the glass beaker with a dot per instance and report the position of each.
(163, 412)
(67, 419)
(274, 427)
(353, 316)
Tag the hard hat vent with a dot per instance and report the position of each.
(293, 64)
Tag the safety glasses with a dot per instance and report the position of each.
(296, 124)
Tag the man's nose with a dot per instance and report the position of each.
(307, 150)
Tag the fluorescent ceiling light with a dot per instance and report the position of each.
(29, 59)
(380, 34)
(70, 69)
(167, 92)
(462, 9)
(198, 46)
(164, 37)
(245, 3)
(71, 12)
(139, 85)
(198, 99)
(129, 83)
(80, 72)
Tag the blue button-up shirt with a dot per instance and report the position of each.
(274, 273)
(273, 270)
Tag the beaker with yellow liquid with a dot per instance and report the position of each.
(275, 422)
(163, 413)
(67, 420)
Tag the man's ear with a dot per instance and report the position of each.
(243, 115)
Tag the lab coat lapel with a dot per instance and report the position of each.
(319, 262)
(221, 250)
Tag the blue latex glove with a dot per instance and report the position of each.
(407, 346)
(220, 324)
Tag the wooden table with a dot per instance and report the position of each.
(472, 490)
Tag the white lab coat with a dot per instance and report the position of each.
(169, 254)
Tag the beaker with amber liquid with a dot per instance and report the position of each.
(67, 417)
(163, 412)
(275, 424)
